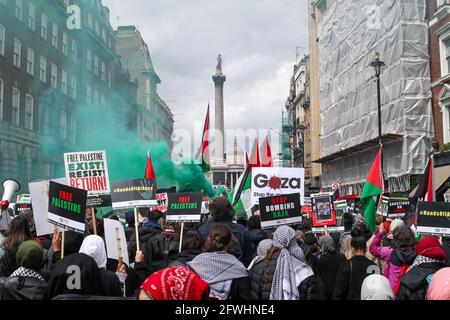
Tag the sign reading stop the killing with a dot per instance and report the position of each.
(89, 171)
(280, 210)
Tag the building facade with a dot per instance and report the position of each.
(53, 82)
(349, 34)
(155, 120)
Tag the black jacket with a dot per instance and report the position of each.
(144, 235)
(446, 247)
(327, 267)
(22, 288)
(255, 236)
(240, 289)
(111, 283)
(185, 256)
(414, 284)
(350, 277)
(8, 263)
(260, 287)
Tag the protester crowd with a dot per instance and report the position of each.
(222, 259)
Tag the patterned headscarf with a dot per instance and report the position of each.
(176, 283)
(290, 270)
(261, 252)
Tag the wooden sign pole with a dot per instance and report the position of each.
(136, 227)
(94, 221)
(181, 236)
(62, 243)
(119, 245)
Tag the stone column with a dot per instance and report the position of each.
(219, 79)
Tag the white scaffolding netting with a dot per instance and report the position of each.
(351, 32)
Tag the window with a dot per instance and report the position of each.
(73, 87)
(74, 50)
(103, 71)
(63, 125)
(97, 28)
(43, 69)
(17, 53)
(88, 94)
(32, 16)
(96, 66)
(102, 99)
(18, 9)
(447, 56)
(89, 19)
(96, 97)
(44, 27)
(66, 2)
(1, 99)
(72, 129)
(104, 35)
(65, 44)
(45, 120)
(30, 61)
(55, 35)
(15, 106)
(64, 82)
(54, 76)
(29, 112)
(89, 59)
(2, 40)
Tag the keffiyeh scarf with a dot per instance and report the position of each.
(290, 270)
(261, 252)
(24, 272)
(218, 269)
(422, 259)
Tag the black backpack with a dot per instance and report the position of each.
(161, 249)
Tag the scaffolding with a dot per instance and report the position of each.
(286, 134)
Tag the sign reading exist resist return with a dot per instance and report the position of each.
(184, 207)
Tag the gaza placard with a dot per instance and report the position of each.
(270, 182)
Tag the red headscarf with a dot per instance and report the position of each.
(430, 247)
(176, 283)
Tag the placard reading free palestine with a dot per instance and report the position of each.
(67, 207)
(184, 207)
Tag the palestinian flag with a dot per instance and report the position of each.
(149, 171)
(246, 159)
(266, 154)
(240, 196)
(204, 152)
(373, 188)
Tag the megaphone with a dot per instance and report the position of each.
(10, 186)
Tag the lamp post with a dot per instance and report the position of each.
(377, 64)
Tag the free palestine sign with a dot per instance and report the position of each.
(184, 207)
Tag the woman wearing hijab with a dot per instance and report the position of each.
(226, 275)
(76, 274)
(376, 287)
(283, 274)
(430, 257)
(18, 232)
(261, 252)
(440, 285)
(94, 246)
(26, 283)
(328, 264)
(174, 283)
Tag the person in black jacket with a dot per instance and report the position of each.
(148, 230)
(256, 234)
(328, 263)
(430, 258)
(446, 248)
(226, 275)
(18, 232)
(222, 212)
(26, 283)
(283, 274)
(191, 247)
(351, 273)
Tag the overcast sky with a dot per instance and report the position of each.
(257, 40)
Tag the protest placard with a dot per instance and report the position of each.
(184, 207)
(383, 205)
(89, 171)
(39, 191)
(116, 243)
(398, 205)
(269, 182)
(67, 207)
(323, 213)
(433, 218)
(280, 210)
(137, 193)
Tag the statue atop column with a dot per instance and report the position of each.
(219, 64)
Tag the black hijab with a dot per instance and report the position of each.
(91, 283)
(72, 242)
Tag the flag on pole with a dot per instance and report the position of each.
(255, 160)
(204, 152)
(266, 154)
(426, 190)
(373, 188)
(149, 171)
(240, 196)
(246, 159)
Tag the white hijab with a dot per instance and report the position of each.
(94, 247)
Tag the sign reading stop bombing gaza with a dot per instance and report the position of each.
(270, 182)
(280, 210)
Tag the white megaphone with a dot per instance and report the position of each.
(9, 188)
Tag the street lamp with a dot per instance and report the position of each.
(377, 64)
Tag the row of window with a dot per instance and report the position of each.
(94, 64)
(29, 114)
